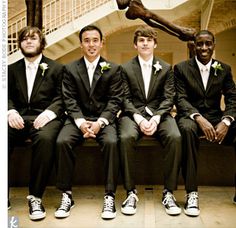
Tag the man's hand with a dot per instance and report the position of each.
(41, 120)
(221, 131)
(87, 130)
(148, 127)
(207, 128)
(15, 121)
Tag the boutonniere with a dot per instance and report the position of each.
(104, 66)
(43, 66)
(157, 66)
(217, 66)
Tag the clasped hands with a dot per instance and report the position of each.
(148, 127)
(90, 129)
(16, 121)
(212, 134)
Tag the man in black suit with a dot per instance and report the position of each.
(149, 97)
(35, 110)
(200, 84)
(92, 90)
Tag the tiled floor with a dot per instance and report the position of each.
(217, 209)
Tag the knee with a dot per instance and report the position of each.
(62, 141)
(126, 137)
(175, 137)
(111, 141)
(46, 138)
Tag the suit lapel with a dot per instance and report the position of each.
(39, 78)
(211, 77)
(83, 73)
(21, 76)
(97, 74)
(153, 77)
(196, 75)
(138, 74)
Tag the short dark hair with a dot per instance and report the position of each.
(204, 32)
(30, 31)
(89, 28)
(145, 31)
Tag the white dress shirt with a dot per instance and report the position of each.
(205, 71)
(31, 71)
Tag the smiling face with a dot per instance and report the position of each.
(91, 44)
(204, 46)
(145, 47)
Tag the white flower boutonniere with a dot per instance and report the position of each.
(104, 66)
(43, 66)
(217, 66)
(157, 66)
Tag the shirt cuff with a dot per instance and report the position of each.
(50, 114)
(11, 111)
(194, 114)
(138, 118)
(157, 119)
(103, 120)
(230, 117)
(79, 121)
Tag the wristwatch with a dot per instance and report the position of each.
(226, 121)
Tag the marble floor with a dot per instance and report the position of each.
(217, 209)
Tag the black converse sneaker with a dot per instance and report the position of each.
(36, 209)
(109, 210)
(169, 201)
(191, 207)
(129, 206)
(67, 203)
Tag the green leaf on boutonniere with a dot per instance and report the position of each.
(104, 66)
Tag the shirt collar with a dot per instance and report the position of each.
(36, 61)
(95, 62)
(142, 61)
(200, 65)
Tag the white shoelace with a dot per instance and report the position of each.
(131, 199)
(35, 203)
(192, 199)
(169, 199)
(108, 203)
(65, 202)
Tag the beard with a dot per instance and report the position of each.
(32, 54)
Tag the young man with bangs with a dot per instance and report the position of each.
(35, 111)
(149, 89)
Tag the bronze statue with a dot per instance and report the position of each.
(137, 10)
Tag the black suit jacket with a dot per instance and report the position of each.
(46, 93)
(193, 98)
(104, 97)
(161, 90)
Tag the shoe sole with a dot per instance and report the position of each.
(66, 214)
(192, 214)
(38, 217)
(170, 212)
(108, 216)
(128, 212)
